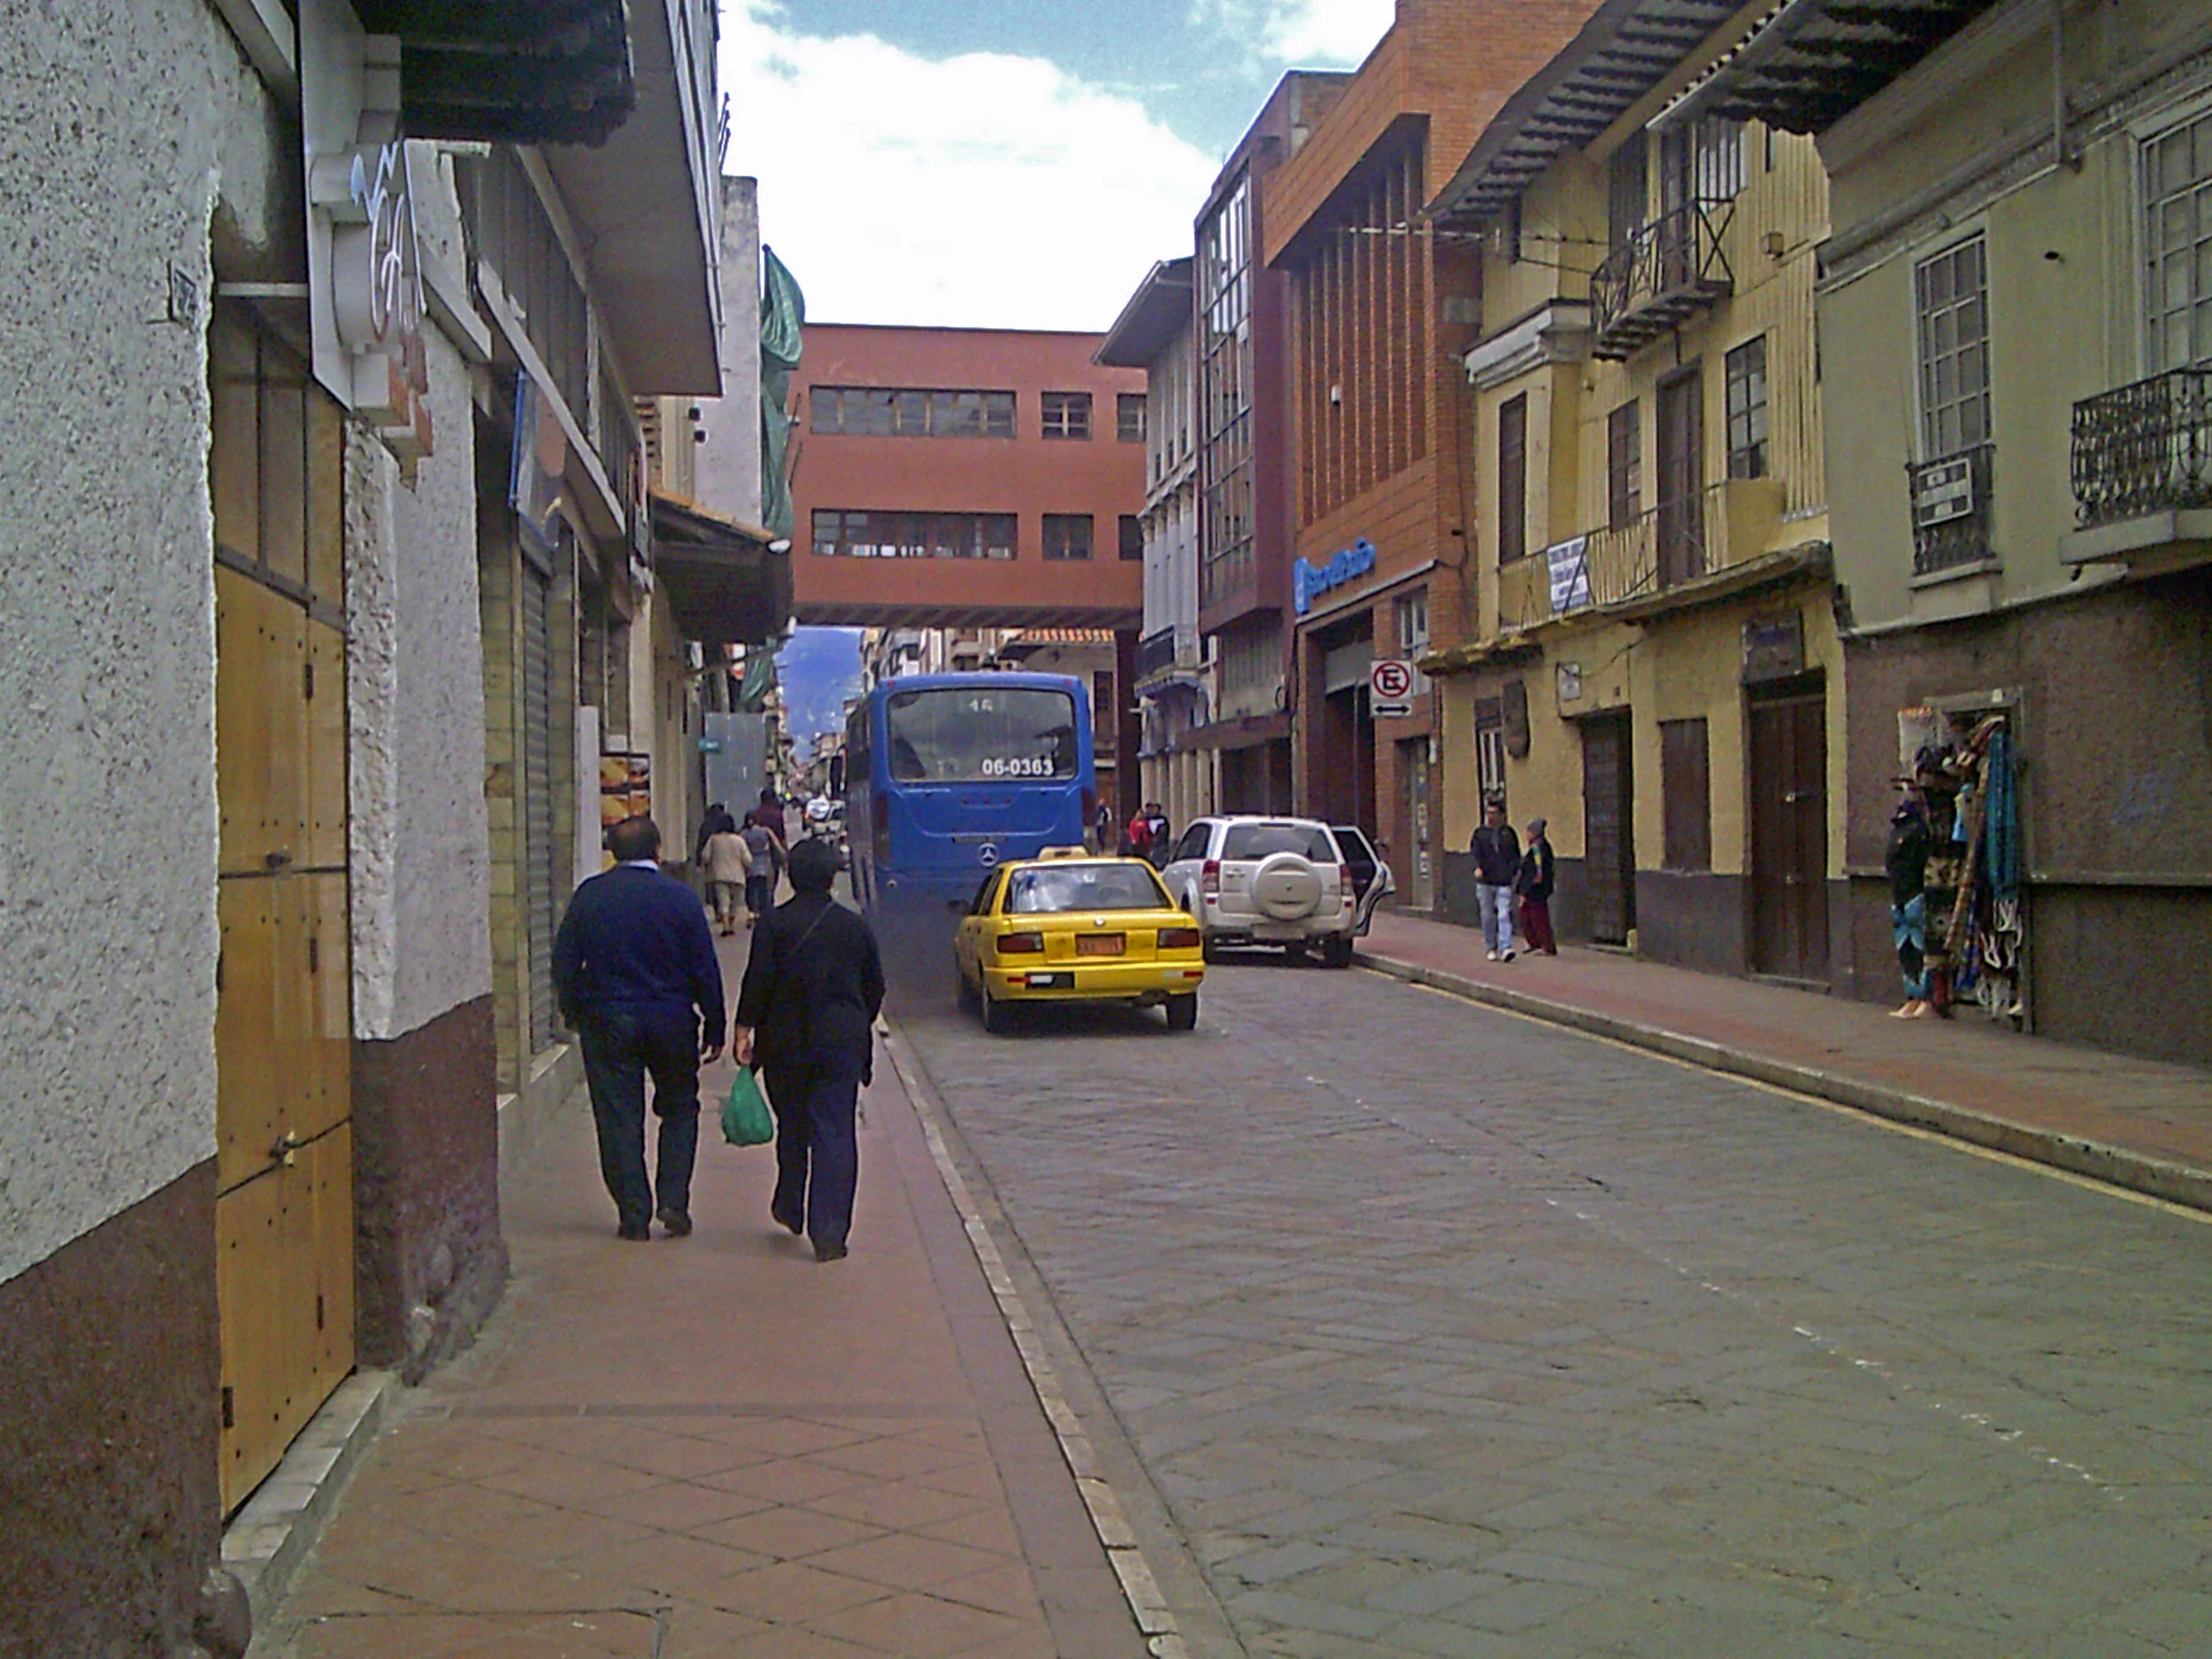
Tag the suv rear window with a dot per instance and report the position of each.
(1262, 841)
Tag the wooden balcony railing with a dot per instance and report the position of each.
(2144, 448)
(1663, 273)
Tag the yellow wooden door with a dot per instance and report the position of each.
(284, 1205)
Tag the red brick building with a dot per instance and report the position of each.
(1380, 309)
(968, 477)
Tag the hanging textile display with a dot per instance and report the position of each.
(1954, 865)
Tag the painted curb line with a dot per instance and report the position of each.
(2116, 1166)
(1148, 1602)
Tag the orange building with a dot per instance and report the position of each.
(1381, 309)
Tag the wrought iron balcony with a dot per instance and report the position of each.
(2144, 448)
(1664, 273)
(1950, 511)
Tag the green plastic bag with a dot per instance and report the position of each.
(745, 1119)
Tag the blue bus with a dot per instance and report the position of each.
(949, 775)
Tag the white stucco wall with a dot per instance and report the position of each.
(415, 702)
(126, 121)
(729, 462)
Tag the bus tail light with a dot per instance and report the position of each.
(1021, 944)
(880, 818)
(1209, 878)
(1179, 938)
(1090, 809)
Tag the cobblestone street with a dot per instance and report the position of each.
(1439, 1330)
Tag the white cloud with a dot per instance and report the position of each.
(1302, 34)
(981, 191)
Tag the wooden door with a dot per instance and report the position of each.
(1609, 828)
(1789, 836)
(1681, 519)
(283, 1023)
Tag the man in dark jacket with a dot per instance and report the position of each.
(1497, 851)
(634, 969)
(807, 1012)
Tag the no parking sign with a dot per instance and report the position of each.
(1390, 687)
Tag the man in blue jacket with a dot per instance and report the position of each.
(634, 969)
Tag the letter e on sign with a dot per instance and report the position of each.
(1390, 688)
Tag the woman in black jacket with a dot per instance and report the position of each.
(1533, 887)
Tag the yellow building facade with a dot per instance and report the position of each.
(1655, 668)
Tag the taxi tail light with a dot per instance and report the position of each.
(1179, 938)
(1021, 944)
(1209, 878)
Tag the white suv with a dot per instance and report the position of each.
(1289, 881)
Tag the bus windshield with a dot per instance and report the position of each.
(980, 734)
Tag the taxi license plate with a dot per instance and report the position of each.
(1100, 944)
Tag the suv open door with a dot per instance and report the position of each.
(1372, 877)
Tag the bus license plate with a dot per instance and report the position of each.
(1100, 944)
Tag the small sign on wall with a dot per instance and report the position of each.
(1773, 647)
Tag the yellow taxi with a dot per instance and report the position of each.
(1069, 926)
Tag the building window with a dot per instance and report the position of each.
(1624, 466)
(1513, 478)
(845, 532)
(1411, 614)
(1951, 296)
(1625, 190)
(2178, 233)
(1490, 748)
(1131, 536)
(1686, 795)
(894, 411)
(1067, 535)
(1747, 367)
(1128, 417)
(1716, 164)
(1067, 414)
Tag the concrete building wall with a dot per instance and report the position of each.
(727, 464)
(138, 144)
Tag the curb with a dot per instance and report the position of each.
(2098, 1161)
(271, 1535)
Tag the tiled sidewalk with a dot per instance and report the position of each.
(2137, 1123)
(715, 1446)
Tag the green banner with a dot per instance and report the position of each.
(782, 317)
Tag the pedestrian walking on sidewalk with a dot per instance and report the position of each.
(728, 863)
(765, 857)
(634, 969)
(1497, 851)
(807, 1013)
(1533, 887)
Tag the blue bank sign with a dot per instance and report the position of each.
(1308, 581)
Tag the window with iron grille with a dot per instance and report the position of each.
(1747, 367)
(1624, 466)
(1717, 163)
(1490, 748)
(900, 411)
(1513, 478)
(1067, 535)
(1951, 299)
(1129, 416)
(1067, 414)
(2178, 236)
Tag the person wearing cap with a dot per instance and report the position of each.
(1532, 887)
(1497, 851)
(807, 1012)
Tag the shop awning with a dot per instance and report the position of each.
(726, 581)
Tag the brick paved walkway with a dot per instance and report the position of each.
(2137, 1123)
(714, 1445)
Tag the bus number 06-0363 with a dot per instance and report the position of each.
(1017, 767)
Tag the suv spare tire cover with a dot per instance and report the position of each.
(1287, 887)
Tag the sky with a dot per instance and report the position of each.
(1013, 164)
(1001, 163)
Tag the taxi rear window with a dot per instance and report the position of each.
(1083, 887)
(1263, 840)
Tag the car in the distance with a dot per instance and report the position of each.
(1072, 926)
(1295, 882)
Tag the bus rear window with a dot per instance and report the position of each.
(980, 734)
